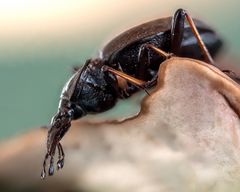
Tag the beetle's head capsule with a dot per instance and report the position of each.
(59, 126)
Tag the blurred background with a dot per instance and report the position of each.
(42, 40)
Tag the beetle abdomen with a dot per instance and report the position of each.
(127, 58)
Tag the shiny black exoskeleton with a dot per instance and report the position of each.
(131, 57)
(91, 89)
(127, 53)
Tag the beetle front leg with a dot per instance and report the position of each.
(61, 156)
(177, 31)
(51, 166)
(134, 81)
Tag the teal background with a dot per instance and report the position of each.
(34, 65)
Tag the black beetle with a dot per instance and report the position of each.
(130, 60)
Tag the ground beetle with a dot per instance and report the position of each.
(129, 62)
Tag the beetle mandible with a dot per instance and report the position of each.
(129, 62)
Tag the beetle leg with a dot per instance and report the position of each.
(137, 82)
(123, 85)
(143, 59)
(177, 31)
(158, 51)
(61, 155)
(145, 48)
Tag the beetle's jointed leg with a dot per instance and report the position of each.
(177, 31)
(159, 51)
(143, 59)
(60, 162)
(61, 155)
(129, 78)
(137, 82)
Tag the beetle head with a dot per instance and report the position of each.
(59, 126)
